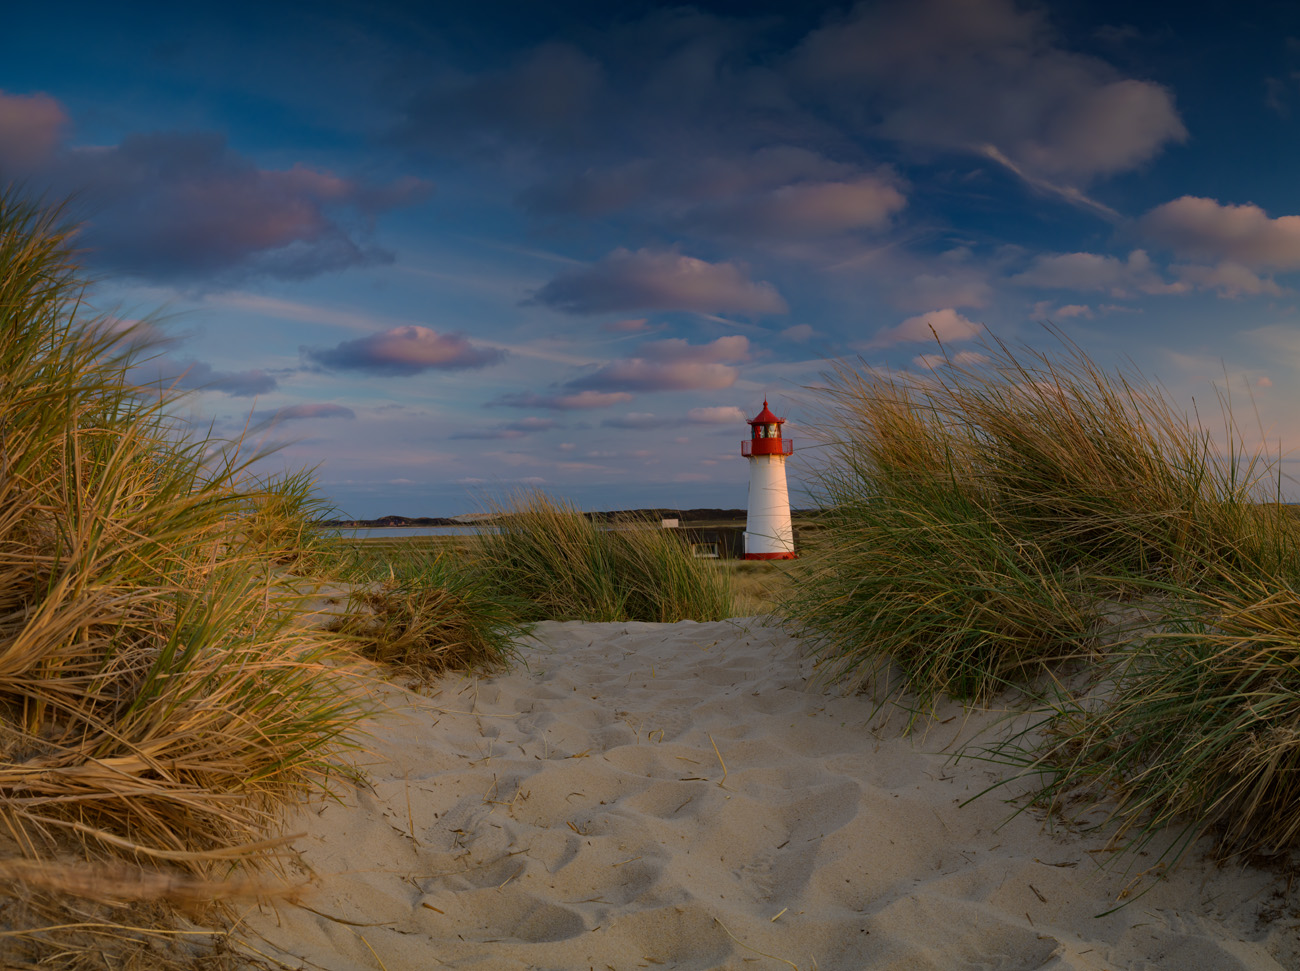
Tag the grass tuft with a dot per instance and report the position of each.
(566, 567)
(980, 521)
(422, 614)
(157, 704)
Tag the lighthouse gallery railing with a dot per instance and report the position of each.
(787, 447)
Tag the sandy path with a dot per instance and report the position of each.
(575, 814)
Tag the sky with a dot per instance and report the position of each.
(444, 252)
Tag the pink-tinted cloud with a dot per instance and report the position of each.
(947, 325)
(404, 351)
(1200, 228)
(799, 333)
(974, 74)
(717, 415)
(638, 374)
(632, 326)
(302, 412)
(1046, 310)
(659, 280)
(184, 205)
(633, 420)
(1228, 279)
(508, 429)
(197, 375)
(31, 126)
(562, 402)
(1093, 271)
(672, 365)
(686, 184)
(733, 348)
(164, 371)
(930, 362)
(806, 210)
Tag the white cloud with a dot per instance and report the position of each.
(1093, 271)
(1229, 279)
(808, 209)
(947, 325)
(1204, 229)
(717, 415)
(930, 362)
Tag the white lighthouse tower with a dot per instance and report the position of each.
(768, 534)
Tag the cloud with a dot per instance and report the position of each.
(1092, 271)
(717, 415)
(300, 412)
(1204, 229)
(633, 326)
(635, 419)
(799, 333)
(733, 348)
(561, 402)
(671, 365)
(806, 210)
(199, 376)
(1043, 310)
(659, 280)
(1229, 279)
(639, 374)
(961, 359)
(31, 127)
(969, 75)
(509, 429)
(947, 325)
(404, 351)
(185, 206)
(546, 99)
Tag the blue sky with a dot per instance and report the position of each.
(459, 249)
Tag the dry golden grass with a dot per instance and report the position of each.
(157, 705)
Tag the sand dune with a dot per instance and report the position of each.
(642, 796)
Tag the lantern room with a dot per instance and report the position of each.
(765, 435)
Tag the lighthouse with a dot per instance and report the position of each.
(768, 534)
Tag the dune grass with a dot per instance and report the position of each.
(980, 520)
(564, 566)
(424, 611)
(157, 705)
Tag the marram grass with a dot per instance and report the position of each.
(564, 566)
(156, 703)
(422, 614)
(981, 519)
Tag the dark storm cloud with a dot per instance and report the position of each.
(404, 351)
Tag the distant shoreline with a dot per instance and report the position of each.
(684, 516)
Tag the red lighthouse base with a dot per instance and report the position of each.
(771, 556)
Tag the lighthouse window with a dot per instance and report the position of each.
(761, 431)
(771, 431)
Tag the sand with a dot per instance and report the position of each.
(683, 796)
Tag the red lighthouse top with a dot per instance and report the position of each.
(765, 435)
